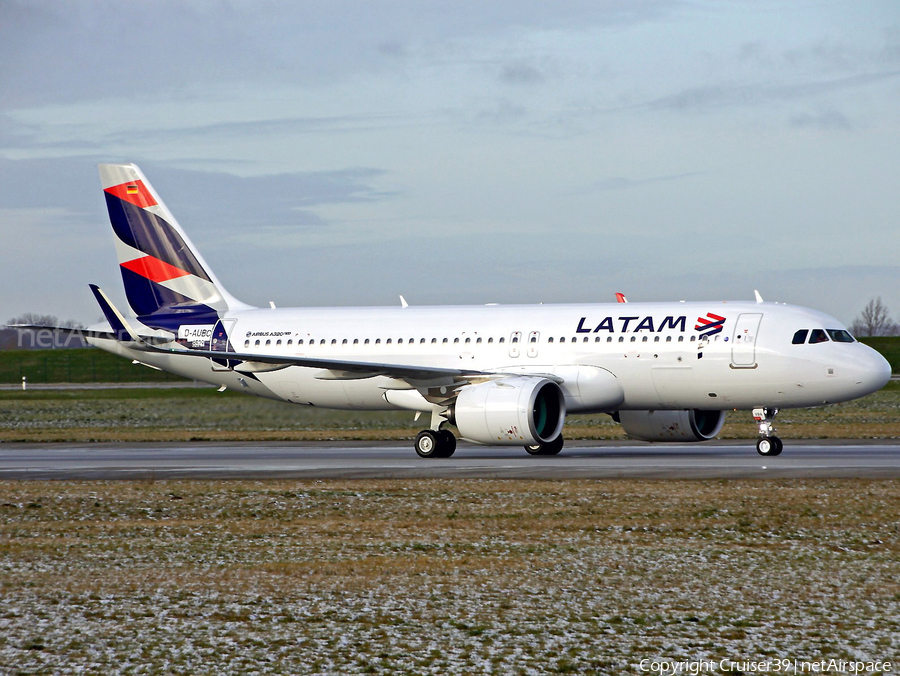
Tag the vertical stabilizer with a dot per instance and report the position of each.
(161, 269)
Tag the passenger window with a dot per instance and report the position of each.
(840, 336)
(356, 341)
(502, 340)
(422, 341)
(388, 341)
(468, 340)
(268, 342)
(609, 339)
(479, 340)
(818, 336)
(344, 341)
(456, 340)
(633, 338)
(680, 339)
(533, 339)
(621, 339)
(585, 339)
(246, 343)
(668, 339)
(550, 339)
(378, 341)
(433, 341)
(515, 339)
(800, 337)
(399, 341)
(644, 339)
(334, 341)
(278, 342)
(290, 341)
(366, 341)
(574, 339)
(444, 341)
(490, 340)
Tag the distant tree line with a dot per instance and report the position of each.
(874, 320)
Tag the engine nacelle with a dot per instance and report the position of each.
(518, 410)
(691, 425)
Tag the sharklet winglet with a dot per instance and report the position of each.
(120, 326)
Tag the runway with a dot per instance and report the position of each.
(367, 460)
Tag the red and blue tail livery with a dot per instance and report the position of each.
(161, 270)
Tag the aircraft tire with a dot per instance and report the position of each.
(779, 446)
(769, 446)
(428, 444)
(547, 448)
(446, 443)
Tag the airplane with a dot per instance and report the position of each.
(503, 375)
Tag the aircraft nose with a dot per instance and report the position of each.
(873, 371)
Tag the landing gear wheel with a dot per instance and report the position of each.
(769, 446)
(439, 444)
(446, 443)
(427, 445)
(779, 445)
(547, 448)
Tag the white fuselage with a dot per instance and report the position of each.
(607, 357)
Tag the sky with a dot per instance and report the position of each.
(344, 153)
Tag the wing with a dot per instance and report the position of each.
(358, 369)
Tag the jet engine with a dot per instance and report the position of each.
(691, 425)
(518, 410)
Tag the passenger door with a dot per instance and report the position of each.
(743, 346)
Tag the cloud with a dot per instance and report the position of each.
(829, 119)
(709, 97)
(622, 183)
(51, 52)
(520, 73)
(211, 200)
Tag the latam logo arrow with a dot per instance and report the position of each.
(710, 325)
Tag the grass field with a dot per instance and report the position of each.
(83, 365)
(204, 414)
(413, 577)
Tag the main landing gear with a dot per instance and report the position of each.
(547, 448)
(442, 444)
(435, 444)
(768, 443)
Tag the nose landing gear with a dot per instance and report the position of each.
(768, 443)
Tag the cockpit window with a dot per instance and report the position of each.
(840, 336)
(818, 336)
(800, 337)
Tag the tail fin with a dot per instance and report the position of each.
(161, 269)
